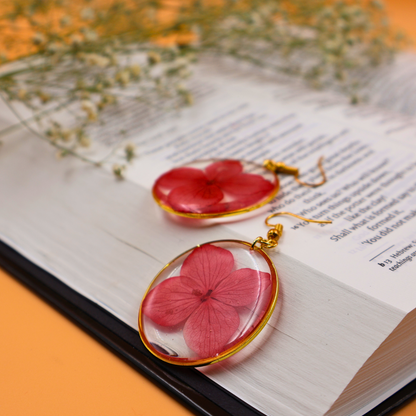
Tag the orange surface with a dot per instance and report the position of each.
(408, 410)
(48, 366)
(402, 15)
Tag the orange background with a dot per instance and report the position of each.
(48, 366)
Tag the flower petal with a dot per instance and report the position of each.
(246, 184)
(173, 300)
(194, 198)
(176, 178)
(265, 281)
(209, 265)
(223, 170)
(180, 177)
(210, 327)
(240, 288)
(237, 204)
(259, 310)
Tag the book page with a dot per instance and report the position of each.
(370, 162)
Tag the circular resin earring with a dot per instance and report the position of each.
(221, 188)
(211, 301)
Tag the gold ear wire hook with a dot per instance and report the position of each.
(293, 215)
(274, 234)
(281, 167)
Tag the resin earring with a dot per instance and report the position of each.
(221, 188)
(211, 301)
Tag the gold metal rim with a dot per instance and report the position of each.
(225, 213)
(231, 351)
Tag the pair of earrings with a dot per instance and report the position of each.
(214, 299)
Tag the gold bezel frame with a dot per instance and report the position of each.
(237, 347)
(226, 213)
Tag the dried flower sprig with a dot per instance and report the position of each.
(68, 62)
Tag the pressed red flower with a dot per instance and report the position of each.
(206, 297)
(222, 186)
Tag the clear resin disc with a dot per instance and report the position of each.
(215, 188)
(208, 303)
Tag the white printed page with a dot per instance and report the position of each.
(370, 160)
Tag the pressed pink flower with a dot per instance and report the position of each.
(206, 297)
(200, 191)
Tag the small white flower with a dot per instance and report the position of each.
(54, 47)
(66, 134)
(84, 141)
(135, 70)
(22, 93)
(65, 21)
(43, 96)
(109, 82)
(90, 35)
(76, 39)
(130, 151)
(118, 170)
(39, 39)
(153, 58)
(87, 14)
(106, 99)
(123, 77)
(96, 59)
(90, 108)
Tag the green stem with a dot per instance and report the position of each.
(44, 138)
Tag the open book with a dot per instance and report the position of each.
(342, 337)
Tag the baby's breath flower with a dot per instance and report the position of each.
(90, 35)
(84, 140)
(96, 59)
(53, 133)
(153, 58)
(185, 94)
(90, 108)
(84, 95)
(87, 13)
(123, 77)
(108, 82)
(108, 50)
(181, 62)
(66, 135)
(188, 98)
(106, 99)
(43, 96)
(54, 47)
(65, 21)
(118, 171)
(76, 39)
(113, 59)
(22, 94)
(184, 73)
(354, 99)
(130, 151)
(135, 70)
(39, 39)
